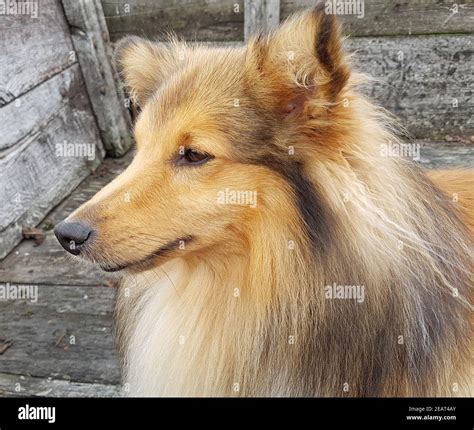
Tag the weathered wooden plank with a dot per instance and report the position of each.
(28, 386)
(402, 17)
(192, 20)
(94, 300)
(67, 334)
(208, 20)
(260, 15)
(49, 263)
(33, 49)
(442, 155)
(35, 174)
(33, 110)
(90, 37)
(426, 81)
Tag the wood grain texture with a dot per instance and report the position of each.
(67, 334)
(33, 49)
(426, 81)
(260, 15)
(190, 19)
(33, 110)
(442, 155)
(90, 38)
(47, 263)
(400, 17)
(33, 177)
(30, 386)
(217, 21)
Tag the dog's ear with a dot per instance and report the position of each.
(142, 65)
(302, 57)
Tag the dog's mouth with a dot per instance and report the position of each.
(148, 261)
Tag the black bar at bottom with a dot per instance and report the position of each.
(433, 413)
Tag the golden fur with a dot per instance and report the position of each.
(228, 300)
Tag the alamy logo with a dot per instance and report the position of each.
(345, 7)
(79, 150)
(11, 7)
(353, 292)
(241, 198)
(405, 150)
(19, 292)
(45, 413)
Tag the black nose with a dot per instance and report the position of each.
(72, 236)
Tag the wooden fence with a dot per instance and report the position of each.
(60, 108)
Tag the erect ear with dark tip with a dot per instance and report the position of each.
(328, 39)
(329, 51)
(302, 56)
(142, 65)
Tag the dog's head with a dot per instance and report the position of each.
(220, 138)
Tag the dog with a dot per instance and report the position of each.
(265, 245)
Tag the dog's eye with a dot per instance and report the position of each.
(193, 157)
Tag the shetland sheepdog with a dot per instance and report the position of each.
(266, 244)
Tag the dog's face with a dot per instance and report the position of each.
(214, 142)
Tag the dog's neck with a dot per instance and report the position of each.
(207, 324)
